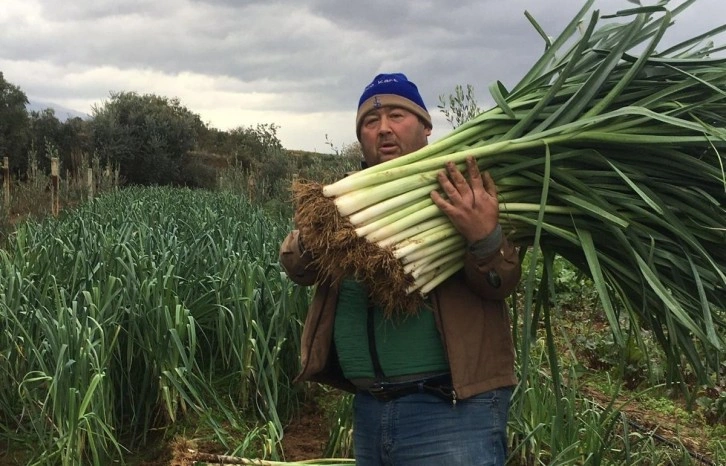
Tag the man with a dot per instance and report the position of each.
(434, 388)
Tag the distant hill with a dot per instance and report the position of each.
(61, 112)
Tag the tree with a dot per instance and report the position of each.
(13, 123)
(44, 131)
(48, 136)
(146, 135)
(460, 107)
(252, 147)
(75, 143)
(259, 151)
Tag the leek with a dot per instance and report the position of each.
(627, 150)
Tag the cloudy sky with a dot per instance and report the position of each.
(300, 64)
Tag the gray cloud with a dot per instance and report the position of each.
(276, 58)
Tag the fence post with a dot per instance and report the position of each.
(251, 185)
(90, 183)
(6, 183)
(55, 203)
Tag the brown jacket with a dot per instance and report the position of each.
(471, 315)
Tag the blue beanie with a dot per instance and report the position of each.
(391, 90)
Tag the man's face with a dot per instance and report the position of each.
(390, 132)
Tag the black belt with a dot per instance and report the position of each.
(439, 386)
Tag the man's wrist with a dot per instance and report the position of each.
(489, 245)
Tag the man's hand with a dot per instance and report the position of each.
(472, 206)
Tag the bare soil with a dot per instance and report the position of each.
(305, 438)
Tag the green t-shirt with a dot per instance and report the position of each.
(405, 345)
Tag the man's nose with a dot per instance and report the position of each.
(384, 126)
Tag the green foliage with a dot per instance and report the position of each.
(147, 136)
(258, 155)
(264, 172)
(197, 174)
(139, 308)
(577, 428)
(327, 168)
(460, 106)
(13, 121)
(713, 404)
(45, 131)
(69, 140)
(340, 418)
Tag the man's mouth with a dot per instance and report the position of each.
(388, 148)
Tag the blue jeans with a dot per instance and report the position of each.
(423, 430)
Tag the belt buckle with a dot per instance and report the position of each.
(376, 389)
(380, 391)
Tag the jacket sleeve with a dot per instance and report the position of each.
(296, 261)
(492, 267)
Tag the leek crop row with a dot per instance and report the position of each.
(136, 311)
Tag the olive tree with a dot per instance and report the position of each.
(459, 107)
(147, 136)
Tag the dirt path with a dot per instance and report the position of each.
(665, 428)
(305, 438)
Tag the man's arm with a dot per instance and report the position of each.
(492, 266)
